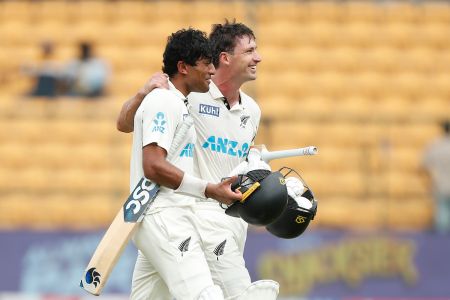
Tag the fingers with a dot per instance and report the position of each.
(231, 179)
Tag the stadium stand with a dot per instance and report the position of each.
(365, 81)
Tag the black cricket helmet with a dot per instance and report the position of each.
(295, 218)
(264, 197)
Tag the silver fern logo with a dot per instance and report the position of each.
(184, 246)
(218, 251)
(244, 120)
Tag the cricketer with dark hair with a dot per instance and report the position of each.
(171, 261)
(226, 121)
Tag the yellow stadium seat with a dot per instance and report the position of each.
(410, 85)
(343, 59)
(363, 11)
(168, 10)
(366, 214)
(416, 214)
(401, 184)
(286, 10)
(52, 30)
(305, 58)
(433, 35)
(436, 12)
(412, 134)
(432, 109)
(333, 158)
(19, 11)
(280, 33)
(61, 11)
(349, 184)
(17, 210)
(400, 35)
(34, 180)
(320, 34)
(93, 31)
(405, 159)
(439, 85)
(329, 84)
(113, 11)
(358, 34)
(217, 12)
(354, 108)
(421, 60)
(288, 84)
(15, 155)
(86, 181)
(328, 11)
(127, 83)
(15, 33)
(406, 12)
(382, 59)
(368, 84)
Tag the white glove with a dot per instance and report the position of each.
(240, 169)
(295, 189)
(255, 162)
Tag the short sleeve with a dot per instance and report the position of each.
(160, 117)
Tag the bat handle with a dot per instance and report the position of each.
(271, 155)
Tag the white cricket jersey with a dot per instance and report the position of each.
(156, 121)
(224, 135)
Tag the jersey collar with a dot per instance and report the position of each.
(175, 90)
(216, 94)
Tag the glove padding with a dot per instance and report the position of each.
(295, 189)
(253, 162)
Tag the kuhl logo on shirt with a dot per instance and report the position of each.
(209, 110)
(159, 123)
(226, 146)
(188, 150)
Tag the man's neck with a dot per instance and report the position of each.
(228, 87)
(180, 85)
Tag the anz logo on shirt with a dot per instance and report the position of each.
(188, 150)
(226, 146)
(159, 123)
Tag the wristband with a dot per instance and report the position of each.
(192, 186)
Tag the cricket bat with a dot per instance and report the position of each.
(124, 224)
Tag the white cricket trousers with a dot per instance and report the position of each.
(171, 263)
(223, 239)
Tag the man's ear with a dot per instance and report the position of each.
(224, 58)
(182, 67)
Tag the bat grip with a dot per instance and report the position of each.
(271, 155)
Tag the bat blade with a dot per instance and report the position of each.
(106, 255)
(118, 236)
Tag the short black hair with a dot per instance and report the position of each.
(187, 45)
(223, 37)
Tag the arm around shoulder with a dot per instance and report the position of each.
(125, 120)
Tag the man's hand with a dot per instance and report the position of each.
(125, 120)
(158, 80)
(255, 162)
(222, 191)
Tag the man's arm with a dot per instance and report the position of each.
(159, 170)
(125, 120)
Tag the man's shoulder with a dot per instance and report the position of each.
(160, 95)
(249, 102)
(199, 97)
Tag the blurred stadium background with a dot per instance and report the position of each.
(367, 82)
